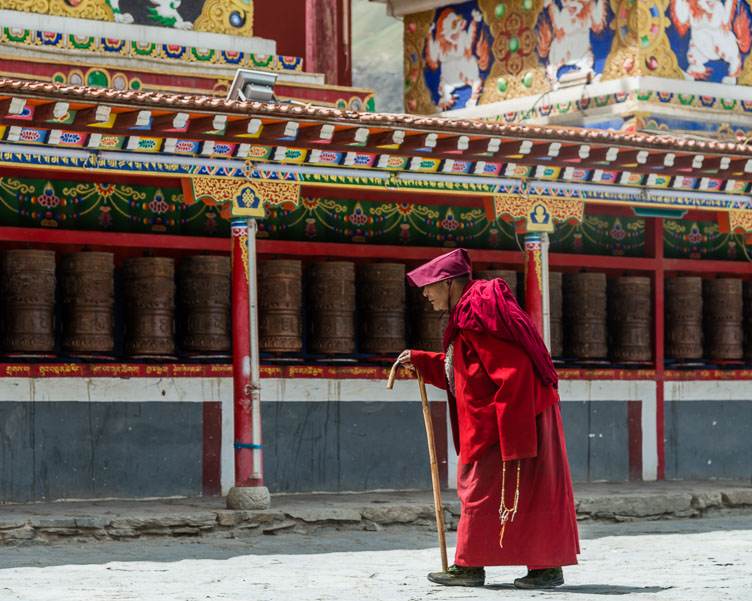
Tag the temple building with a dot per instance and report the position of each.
(203, 275)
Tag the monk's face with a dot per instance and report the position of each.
(438, 295)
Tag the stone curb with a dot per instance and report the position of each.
(232, 523)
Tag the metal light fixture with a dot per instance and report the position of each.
(249, 85)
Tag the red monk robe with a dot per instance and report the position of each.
(503, 411)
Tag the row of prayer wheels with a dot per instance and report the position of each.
(87, 286)
(592, 318)
(596, 319)
(599, 319)
(709, 318)
(334, 291)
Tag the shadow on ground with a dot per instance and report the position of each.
(592, 589)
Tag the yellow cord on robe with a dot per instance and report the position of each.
(506, 512)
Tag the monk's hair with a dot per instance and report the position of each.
(461, 280)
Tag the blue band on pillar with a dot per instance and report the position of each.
(246, 445)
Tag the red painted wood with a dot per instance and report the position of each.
(323, 24)
(441, 440)
(241, 356)
(211, 466)
(601, 262)
(368, 251)
(710, 267)
(708, 374)
(113, 370)
(634, 431)
(289, 32)
(534, 281)
(111, 239)
(608, 209)
(126, 371)
(568, 373)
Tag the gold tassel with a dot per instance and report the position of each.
(505, 513)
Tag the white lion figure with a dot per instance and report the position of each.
(165, 12)
(120, 17)
(569, 42)
(714, 35)
(451, 47)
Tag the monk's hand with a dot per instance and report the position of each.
(404, 360)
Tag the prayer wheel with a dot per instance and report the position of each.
(747, 295)
(149, 292)
(555, 302)
(280, 304)
(28, 289)
(331, 297)
(88, 290)
(204, 295)
(427, 325)
(584, 296)
(509, 276)
(683, 324)
(629, 319)
(723, 319)
(381, 308)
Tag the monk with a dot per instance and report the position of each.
(513, 477)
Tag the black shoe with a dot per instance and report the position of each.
(545, 578)
(459, 576)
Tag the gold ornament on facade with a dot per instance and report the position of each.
(27, 6)
(417, 96)
(516, 69)
(97, 10)
(745, 77)
(641, 46)
(233, 17)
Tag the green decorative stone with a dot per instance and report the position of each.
(501, 84)
(527, 5)
(499, 10)
(527, 79)
(371, 104)
(98, 79)
(135, 84)
(514, 44)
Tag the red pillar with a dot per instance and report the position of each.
(241, 356)
(534, 279)
(328, 45)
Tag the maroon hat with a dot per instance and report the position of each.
(450, 265)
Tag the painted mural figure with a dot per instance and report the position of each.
(164, 12)
(566, 43)
(451, 46)
(715, 34)
(120, 16)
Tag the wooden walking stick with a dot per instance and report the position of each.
(432, 455)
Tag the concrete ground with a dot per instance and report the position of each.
(676, 560)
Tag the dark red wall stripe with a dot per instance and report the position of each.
(212, 462)
(634, 429)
